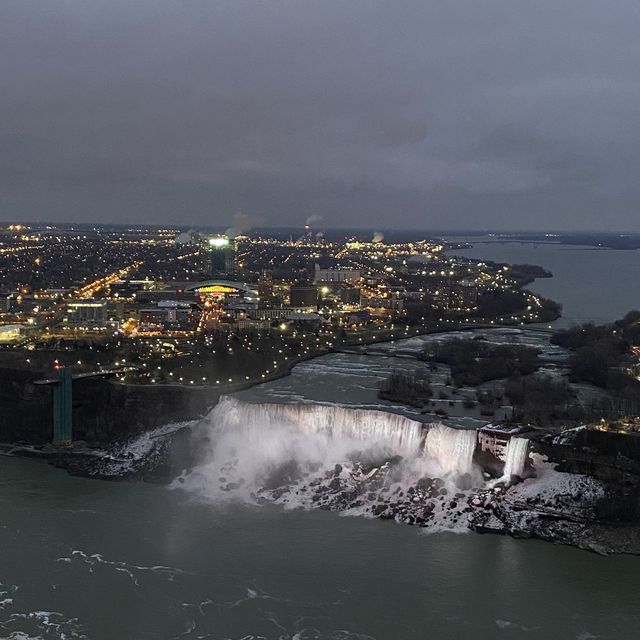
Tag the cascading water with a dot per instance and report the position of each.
(452, 449)
(400, 434)
(516, 457)
(310, 455)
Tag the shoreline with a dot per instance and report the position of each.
(556, 521)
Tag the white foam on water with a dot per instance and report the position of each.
(349, 460)
(37, 625)
(358, 462)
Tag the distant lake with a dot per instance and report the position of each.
(592, 284)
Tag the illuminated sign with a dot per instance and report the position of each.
(218, 242)
(217, 289)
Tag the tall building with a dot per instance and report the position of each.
(265, 288)
(5, 301)
(223, 257)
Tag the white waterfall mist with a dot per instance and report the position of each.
(245, 449)
(516, 457)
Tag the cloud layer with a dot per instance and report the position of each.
(419, 114)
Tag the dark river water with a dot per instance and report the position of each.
(82, 558)
(133, 561)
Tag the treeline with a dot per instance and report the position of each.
(494, 303)
(602, 354)
(540, 400)
(411, 388)
(525, 273)
(473, 362)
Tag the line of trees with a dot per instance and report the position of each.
(413, 388)
(602, 355)
(473, 362)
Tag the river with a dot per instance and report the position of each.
(89, 559)
(134, 561)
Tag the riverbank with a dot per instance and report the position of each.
(160, 455)
(595, 285)
(377, 464)
(108, 411)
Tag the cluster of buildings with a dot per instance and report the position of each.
(181, 283)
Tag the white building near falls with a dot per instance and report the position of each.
(494, 438)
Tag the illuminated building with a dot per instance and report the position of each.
(350, 276)
(89, 314)
(223, 257)
(5, 301)
(11, 333)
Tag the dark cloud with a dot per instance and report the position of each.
(417, 113)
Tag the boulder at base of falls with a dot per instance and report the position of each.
(486, 522)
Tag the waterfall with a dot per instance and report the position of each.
(400, 434)
(452, 449)
(516, 457)
(244, 449)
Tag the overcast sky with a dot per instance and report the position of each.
(424, 114)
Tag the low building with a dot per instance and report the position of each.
(280, 313)
(494, 438)
(11, 333)
(86, 314)
(248, 325)
(152, 297)
(305, 320)
(5, 301)
(357, 318)
(351, 276)
(169, 314)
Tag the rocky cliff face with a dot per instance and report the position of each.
(611, 458)
(27, 409)
(594, 503)
(103, 411)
